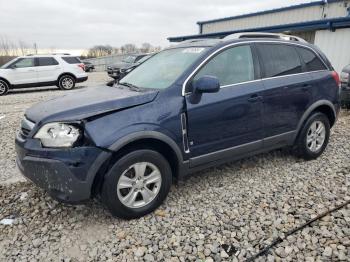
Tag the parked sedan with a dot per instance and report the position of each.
(129, 62)
(89, 66)
(345, 87)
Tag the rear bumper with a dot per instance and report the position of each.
(81, 79)
(66, 174)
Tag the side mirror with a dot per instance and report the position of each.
(205, 84)
(13, 66)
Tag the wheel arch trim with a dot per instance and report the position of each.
(133, 137)
(311, 108)
(66, 73)
(7, 81)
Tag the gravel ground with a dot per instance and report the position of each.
(243, 205)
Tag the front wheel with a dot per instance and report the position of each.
(66, 82)
(137, 184)
(4, 88)
(313, 137)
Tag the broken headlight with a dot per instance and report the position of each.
(58, 135)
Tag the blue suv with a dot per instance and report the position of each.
(189, 107)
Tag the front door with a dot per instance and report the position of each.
(23, 71)
(228, 122)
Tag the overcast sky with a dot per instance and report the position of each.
(80, 24)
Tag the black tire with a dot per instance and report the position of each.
(66, 82)
(301, 145)
(109, 194)
(4, 87)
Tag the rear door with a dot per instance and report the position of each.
(228, 122)
(22, 71)
(287, 91)
(47, 68)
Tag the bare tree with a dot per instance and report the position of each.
(100, 50)
(23, 47)
(146, 48)
(10, 49)
(129, 48)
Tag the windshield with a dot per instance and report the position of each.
(129, 59)
(8, 63)
(162, 69)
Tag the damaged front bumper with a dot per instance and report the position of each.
(66, 174)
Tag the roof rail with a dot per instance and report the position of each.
(60, 54)
(194, 40)
(49, 54)
(264, 35)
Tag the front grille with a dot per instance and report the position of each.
(26, 127)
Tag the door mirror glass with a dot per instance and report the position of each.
(206, 84)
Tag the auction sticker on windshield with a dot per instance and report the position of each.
(193, 50)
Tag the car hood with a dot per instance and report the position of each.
(88, 102)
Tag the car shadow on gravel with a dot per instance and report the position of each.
(39, 202)
(36, 90)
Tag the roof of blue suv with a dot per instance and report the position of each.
(211, 42)
(215, 42)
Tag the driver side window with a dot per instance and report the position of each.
(232, 66)
(24, 62)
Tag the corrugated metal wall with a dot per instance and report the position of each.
(305, 14)
(336, 46)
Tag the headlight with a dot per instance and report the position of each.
(58, 135)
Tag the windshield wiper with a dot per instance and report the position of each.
(131, 86)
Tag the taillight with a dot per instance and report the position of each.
(336, 77)
(82, 66)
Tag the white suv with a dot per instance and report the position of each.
(42, 70)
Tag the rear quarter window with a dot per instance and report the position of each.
(279, 60)
(71, 59)
(312, 62)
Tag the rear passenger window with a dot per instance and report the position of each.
(279, 60)
(232, 66)
(312, 62)
(47, 61)
(71, 59)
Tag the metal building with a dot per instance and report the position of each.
(323, 23)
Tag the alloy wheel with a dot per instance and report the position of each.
(139, 185)
(67, 83)
(316, 136)
(3, 87)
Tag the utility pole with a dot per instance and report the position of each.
(35, 48)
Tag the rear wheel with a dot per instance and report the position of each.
(4, 87)
(313, 137)
(66, 82)
(137, 184)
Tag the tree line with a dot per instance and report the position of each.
(10, 49)
(105, 50)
